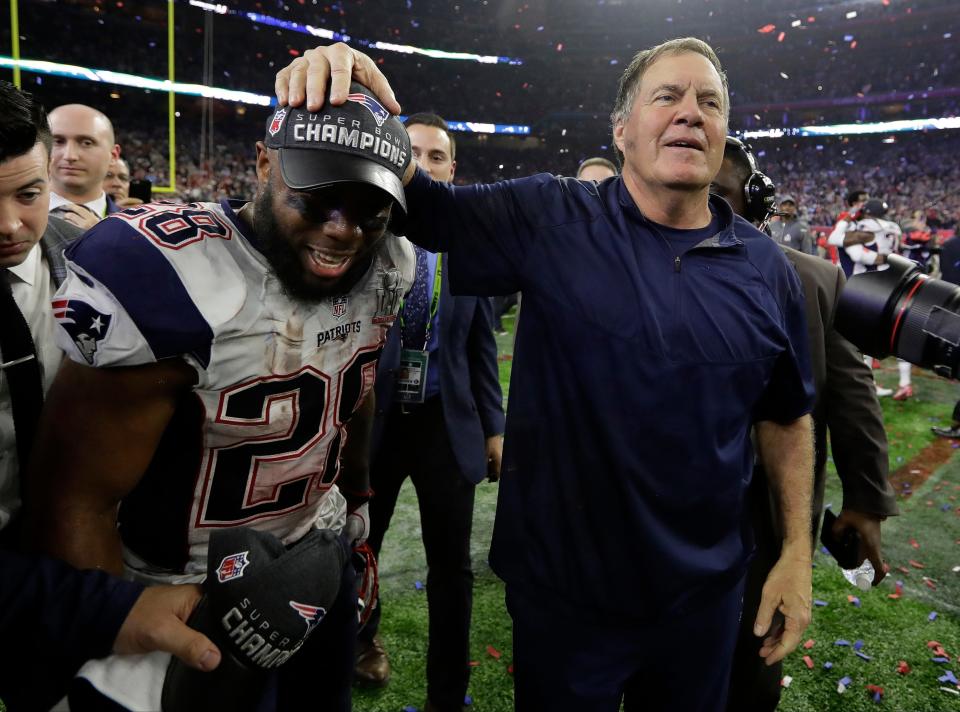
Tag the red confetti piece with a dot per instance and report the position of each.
(903, 668)
(874, 690)
(894, 596)
(808, 661)
(914, 544)
(474, 663)
(809, 644)
(781, 36)
(930, 584)
(766, 29)
(493, 652)
(510, 668)
(934, 644)
(917, 564)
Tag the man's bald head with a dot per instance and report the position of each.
(83, 146)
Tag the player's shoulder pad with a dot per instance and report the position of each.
(161, 263)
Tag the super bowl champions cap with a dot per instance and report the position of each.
(357, 142)
(261, 601)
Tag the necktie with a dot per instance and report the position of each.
(415, 307)
(18, 359)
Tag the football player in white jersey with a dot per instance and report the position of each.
(216, 356)
(872, 255)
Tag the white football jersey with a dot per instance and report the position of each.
(257, 442)
(885, 242)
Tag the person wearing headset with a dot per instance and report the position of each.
(846, 405)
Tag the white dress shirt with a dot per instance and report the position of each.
(98, 206)
(33, 289)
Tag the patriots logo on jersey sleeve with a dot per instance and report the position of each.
(86, 326)
(311, 614)
(380, 115)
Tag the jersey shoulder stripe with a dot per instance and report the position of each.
(128, 262)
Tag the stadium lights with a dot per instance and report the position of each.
(244, 97)
(326, 34)
(939, 124)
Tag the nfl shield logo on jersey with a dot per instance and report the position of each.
(277, 121)
(232, 566)
(338, 305)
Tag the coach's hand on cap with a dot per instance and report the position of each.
(306, 78)
(157, 621)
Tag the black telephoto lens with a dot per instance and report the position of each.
(904, 312)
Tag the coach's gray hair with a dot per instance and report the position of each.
(629, 85)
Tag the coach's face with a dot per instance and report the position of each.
(319, 242)
(674, 135)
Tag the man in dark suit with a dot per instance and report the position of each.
(439, 421)
(847, 406)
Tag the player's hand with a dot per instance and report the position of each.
(789, 591)
(157, 621)
(494, 457)
(868, 527)
(306, 77)
(81, 216)
(357, 528)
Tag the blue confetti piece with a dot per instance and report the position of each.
(845, 681)
(955, 445)
(858, 645)
(824, 550)
(855, 601)
(828, 665)
(877, 697)
(418, 585)
(842, 642)
(410, 708)
(932, 616)
(863, 656)
(940, 660)
(948, 677)
(818, 602)
(945, 508)
(467, 700)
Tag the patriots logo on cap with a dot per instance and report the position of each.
(277, 121)
(86, 325)
(379, 114)
(311, 614)
(232, 566)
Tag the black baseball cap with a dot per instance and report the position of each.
(261, 600)
(357, 142)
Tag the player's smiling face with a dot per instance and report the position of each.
(320, 241)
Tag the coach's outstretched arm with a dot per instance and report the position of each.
(787, 454)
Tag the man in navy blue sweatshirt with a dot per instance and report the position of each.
(658, 330)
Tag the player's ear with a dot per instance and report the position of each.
(264, 163)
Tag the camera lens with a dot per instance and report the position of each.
(902, 311)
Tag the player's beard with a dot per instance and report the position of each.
(285, 260)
